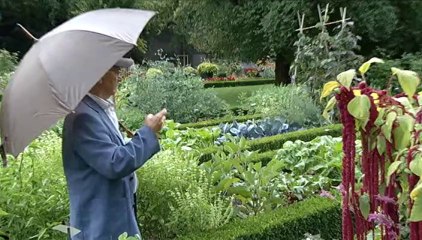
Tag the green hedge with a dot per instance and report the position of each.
(316, 216)
(249, 82)
(276, 142)
(215, 122)
(265, 157)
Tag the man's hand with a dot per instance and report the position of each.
(156, 122)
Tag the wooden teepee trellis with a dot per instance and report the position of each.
(323, 22)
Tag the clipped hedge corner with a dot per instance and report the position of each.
(316, 216)
(251, 82)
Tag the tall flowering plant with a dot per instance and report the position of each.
(389, 195)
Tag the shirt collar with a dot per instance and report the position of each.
(104, 104)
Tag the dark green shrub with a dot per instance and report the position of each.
(207, 70)
(248, 82)
(316, 216)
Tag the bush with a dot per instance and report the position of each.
(175, 197)
(190, 71)
(8, 61)
(207, 70)
(153, 73)
(184, 97)
(33, 191)
(317, 216)
(292, 103)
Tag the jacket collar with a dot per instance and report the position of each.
(92, 104)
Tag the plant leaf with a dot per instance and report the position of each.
(345, 78)
(365, 66)
(330, 105)
(381, 144)
(328, 88)
(364, 205)
(403, 132)
(3, 213)
(392, 169)
(359, 107)
(416, 213)
(416, 165)
(409, 80)
(388, 126)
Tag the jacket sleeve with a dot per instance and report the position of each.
(93, 144)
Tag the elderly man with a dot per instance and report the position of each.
(99, 165)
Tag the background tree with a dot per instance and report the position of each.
(253, 29)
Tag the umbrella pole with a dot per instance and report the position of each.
(3, 155)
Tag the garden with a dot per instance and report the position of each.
(333, 154)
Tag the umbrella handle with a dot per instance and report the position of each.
(128, 132)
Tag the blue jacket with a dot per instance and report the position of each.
(99, 170)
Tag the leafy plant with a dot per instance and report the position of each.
(253, 186)
(198, 208)
(207, 69)
(389, 194)
(34, 203)
(310, 167)
(318, 59)
(166, 181)
(190, 71)
(183, 95)
(153, 73)
(262, 128)
(292, 103)
(124, 236)
(191, 138)
(8, 61)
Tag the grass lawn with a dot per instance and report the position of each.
(231, 94)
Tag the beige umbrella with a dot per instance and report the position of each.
(60, 69)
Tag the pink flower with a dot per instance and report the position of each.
(381, 219)
(326, 194)
(385, 199)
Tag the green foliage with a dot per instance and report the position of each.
(312, 166)
(8, 61)
(320, 58)
(190, 71)
(315, 216)
(207, 69)
(124, 236)
(33, 191)
(198, 208)
(153, 73)
(164, 181)
(292, 103)
(191, 138)
(184, 97)
(218, 121)
(275, 142)
(237, 175)
(379, 75)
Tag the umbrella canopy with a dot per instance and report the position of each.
(61, 68)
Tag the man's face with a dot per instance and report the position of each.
(111, 81)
